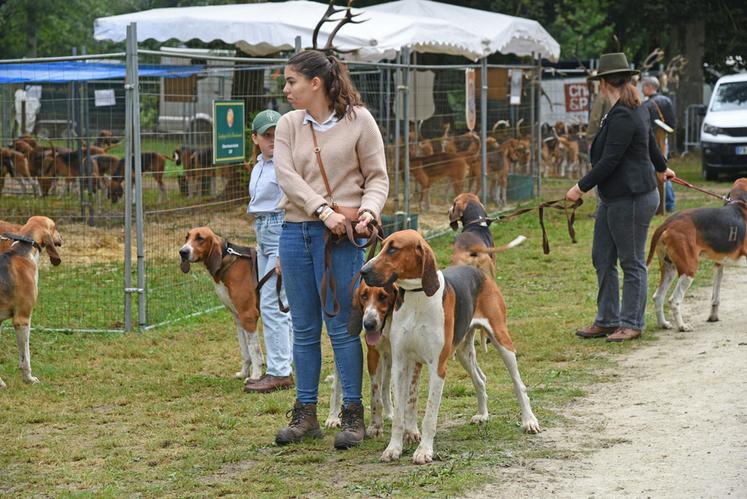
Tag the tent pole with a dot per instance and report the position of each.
(484, 128)
(539, 123)
(406, 131)
(397, 135)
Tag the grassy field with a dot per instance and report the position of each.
(158, 413)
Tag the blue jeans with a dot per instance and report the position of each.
(302, 264)
(276, 326)
(620, 231)
(669, 200)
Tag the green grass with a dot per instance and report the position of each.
(158, 413)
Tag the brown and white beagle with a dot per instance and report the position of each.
(717, 233)
(235, 284)
(436, 320)
(19, 280)
(474, 245)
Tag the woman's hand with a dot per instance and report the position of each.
(364, 218)
(574, 193)
(336, 223)
(669, 173)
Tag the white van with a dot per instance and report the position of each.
(723, 136)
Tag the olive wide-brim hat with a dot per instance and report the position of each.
(613, 64)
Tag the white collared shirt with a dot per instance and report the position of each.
(325, 125)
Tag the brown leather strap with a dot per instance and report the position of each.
(557, 204)
(318, 153)
(278, 287)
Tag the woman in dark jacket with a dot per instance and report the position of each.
(624, 156)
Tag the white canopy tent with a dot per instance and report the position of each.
(499, 32)
(261, 29)
(265, 28)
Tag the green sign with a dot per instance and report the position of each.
(228, 131)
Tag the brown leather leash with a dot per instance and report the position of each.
(328, 279)
(557, 204)
(687, 184)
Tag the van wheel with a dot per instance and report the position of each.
(709, 174)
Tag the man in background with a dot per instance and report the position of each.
(660, 108)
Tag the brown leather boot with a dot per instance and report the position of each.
(595, 331)
(269, 383)
(353, 428)
(303, 424)
(624, 334)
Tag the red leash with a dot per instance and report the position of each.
(687, 184)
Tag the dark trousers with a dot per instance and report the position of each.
(620, 232)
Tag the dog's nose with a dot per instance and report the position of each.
(184, 252)
(369, 324)
(365, 270)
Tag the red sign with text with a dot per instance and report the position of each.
(576, 97)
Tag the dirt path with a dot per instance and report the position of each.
(673, 423)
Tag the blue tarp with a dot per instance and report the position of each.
(64, 72)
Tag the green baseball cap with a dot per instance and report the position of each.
(265, 120)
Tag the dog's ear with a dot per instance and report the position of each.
(54, 257)
(455, 214)
(430, 273)
(355, 323)
(215, 256)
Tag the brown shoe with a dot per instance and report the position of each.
(269, 383)
(595, 331)
(303, 424)
(624, 334)
(353, 428)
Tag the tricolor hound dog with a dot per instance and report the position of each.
(19, 280)
(436, 319)
(475, 246)
(719, 233)
(235, 283)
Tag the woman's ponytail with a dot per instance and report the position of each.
(337, 81)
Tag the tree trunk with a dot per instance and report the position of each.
(690, 42)
(32, 26)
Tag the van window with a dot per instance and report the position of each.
(730, 97)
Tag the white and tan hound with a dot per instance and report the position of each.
(235, 284)
(717, 233)
(437, 318)
(19, 280)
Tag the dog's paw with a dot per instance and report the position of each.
(713, 318)
(423, 455)
(333, 422)
(411, 436)
(665, 325)
(2, 384)
(685, 328)
(375, 431)
(392, 453)
(530, 426)
(389, 416)
(31, 380)
(479, 418)
(242, 375)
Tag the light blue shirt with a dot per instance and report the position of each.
(324, 126)
(264, 190)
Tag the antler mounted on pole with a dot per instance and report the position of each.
(655, 56)
(348, 18)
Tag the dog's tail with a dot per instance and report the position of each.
(655, 240)
(498, 249)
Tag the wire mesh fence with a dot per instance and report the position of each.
(77, 139)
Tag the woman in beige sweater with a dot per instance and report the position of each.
(330, 112)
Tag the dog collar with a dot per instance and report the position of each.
(20, 239)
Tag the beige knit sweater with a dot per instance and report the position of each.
(353, 155)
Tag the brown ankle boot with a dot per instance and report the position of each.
(303, 424)
(353, 428)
